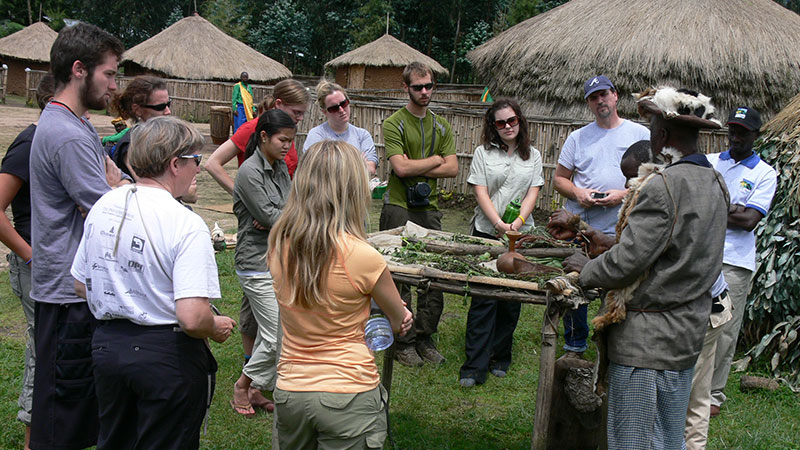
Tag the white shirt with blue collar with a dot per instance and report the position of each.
(751, 182)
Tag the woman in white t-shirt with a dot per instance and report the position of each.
(505, 168)
(335, 105)
(147, 270)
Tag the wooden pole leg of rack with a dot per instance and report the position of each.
(547, 360)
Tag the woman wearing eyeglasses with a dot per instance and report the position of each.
(335, 104)
(259, 194)
(505, 168)
(145, 97)
(147, 270)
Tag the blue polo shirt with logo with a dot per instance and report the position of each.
(751, 182)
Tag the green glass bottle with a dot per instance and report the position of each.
(512, 211)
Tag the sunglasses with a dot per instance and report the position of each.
(511, 121)
(196, 157)
(158, 107)
(419, 87)
(335, 108)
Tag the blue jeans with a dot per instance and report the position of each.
(576, 330)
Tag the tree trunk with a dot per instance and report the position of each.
(455, 45)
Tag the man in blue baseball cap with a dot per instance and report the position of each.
(588, 175)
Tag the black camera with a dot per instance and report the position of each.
(418, 195)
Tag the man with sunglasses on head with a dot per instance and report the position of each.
(69, 171)
(420, 149)
(588, 175)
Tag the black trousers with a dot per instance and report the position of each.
(153, 386)
(490, 334)
(431, 303)
(64, 403)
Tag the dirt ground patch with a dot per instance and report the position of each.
(15, 117)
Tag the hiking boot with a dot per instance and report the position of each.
(408, 356)
(428, 352)
(571, 354)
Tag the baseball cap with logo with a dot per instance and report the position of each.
(596, 83)
(746, 117)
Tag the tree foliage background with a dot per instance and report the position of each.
(304, 34)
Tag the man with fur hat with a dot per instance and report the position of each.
(588, 176)
(672, 246)
(752, 184)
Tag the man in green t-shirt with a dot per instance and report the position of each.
(420, 149)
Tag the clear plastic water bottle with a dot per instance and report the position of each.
(378, 331)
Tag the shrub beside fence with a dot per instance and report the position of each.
(369, 107)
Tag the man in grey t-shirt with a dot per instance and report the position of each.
(69, 172)
(588, 175)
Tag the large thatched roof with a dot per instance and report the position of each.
(786, 124)
(193, 48)
(32, 42)
(385, 51)
(740, 52)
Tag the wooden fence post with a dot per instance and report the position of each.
(547, 360)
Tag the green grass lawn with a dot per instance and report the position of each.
(428, 409)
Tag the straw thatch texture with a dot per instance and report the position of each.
(30, 43)
(786, 124)
(194, 49)
(385, 51)
(739, 52)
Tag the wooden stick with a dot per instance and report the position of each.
(477, 291)
(427, 272)
(459, 248)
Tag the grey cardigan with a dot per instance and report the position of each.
(676, 233)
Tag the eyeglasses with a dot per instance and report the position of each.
(159, 107)
(511, 121)
(196, 157)
(419, 87)
(335, 108)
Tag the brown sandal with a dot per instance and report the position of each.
(245, 410)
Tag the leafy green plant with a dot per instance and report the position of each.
(773, 307)
(783, 352)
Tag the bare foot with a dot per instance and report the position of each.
(258, 400)
(240, 396)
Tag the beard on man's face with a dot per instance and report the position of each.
(419, 101)
(89, 95)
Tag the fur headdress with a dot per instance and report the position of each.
(679, 106)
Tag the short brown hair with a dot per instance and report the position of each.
(81, 42)
(45, 90)
(155, 142)
(419, 69)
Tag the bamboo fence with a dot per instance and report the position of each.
(192, 100)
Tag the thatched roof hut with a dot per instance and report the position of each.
(27, 48)
(194, 49)
(740, 52)
(379, 64)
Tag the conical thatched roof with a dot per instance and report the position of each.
(385, 51)
(32, 43)
(739, 52)
(193, 48)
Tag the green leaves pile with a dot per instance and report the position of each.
(773, 306)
